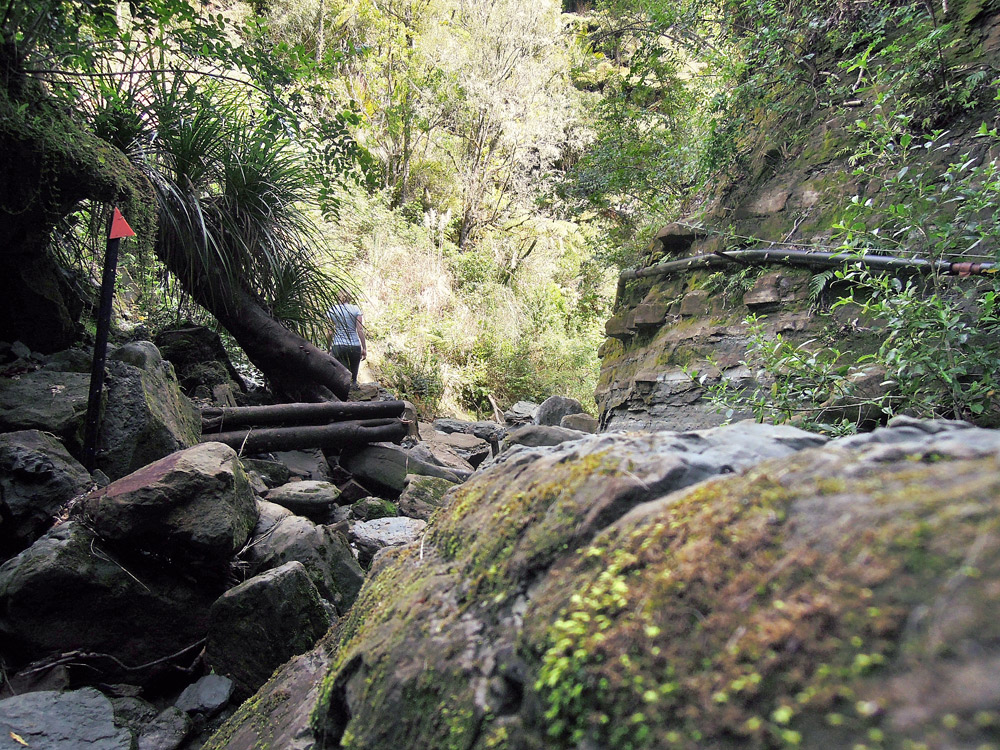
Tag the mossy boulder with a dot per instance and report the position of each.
(841, 596)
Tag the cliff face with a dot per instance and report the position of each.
(673, 334)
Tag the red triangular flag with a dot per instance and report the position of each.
(119, 227)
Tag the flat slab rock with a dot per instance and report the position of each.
(372, 536)
(61, 721)
(311, 498)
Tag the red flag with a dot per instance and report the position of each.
(119, 227)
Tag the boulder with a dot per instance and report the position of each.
(597, 594)
(193, 507)
(167, 731)
(70, 360)
(37, 477)
(383, 468)
(534, 436)
(272, 473)
(61, 721)
(581, 422)
(370, 537)
(488, 431)
(554, 408)
(455, 450)
(199, 357)
(305, 464)
(523, 412)
(209, 694)
(69, 591)
(323, 550)
(310, 498)
(370, 508)
(289, 697)
(260, 624)
(268, 516)
(48, 401)
(146, 417)
(423, 495)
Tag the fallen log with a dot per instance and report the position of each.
(215, 418)
(336, 435)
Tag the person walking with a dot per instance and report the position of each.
(346, 338)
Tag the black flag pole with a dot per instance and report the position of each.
(117, 228)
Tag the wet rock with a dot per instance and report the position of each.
(260, 624)
(167, 731)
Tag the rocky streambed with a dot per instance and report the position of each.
(488, 586)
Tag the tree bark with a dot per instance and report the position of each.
(215, 418)
(337, 435)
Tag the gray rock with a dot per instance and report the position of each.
(554, 408)
(21, 350)
(61, 721)
(458, 450)
(167, 731)
(37, 477)
(268, 515)
(488, 431)
(48, 401)
(523, 412)
(194, 505)
(69, 591)
(207, 696)
(372, 536)
(305, 464)
(260, 624)
(70, 360)
(308, 498)
(146, 416)
(581, 422)
(323, 550)
(383, 468)
(133, 713)
(370, 508)
(534, 436)
(273, 473)
(141, 354)
(423, 496)
(928, 440)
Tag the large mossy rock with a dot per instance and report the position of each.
(843, 596)
(194, 507)
(146, 416)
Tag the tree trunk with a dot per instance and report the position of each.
(215, 418)
(337, 435)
